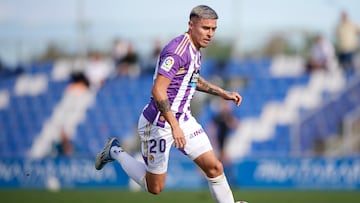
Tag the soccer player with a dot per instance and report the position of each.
(166, 120)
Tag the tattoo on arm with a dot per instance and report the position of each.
(163, 106)
(206, 87)
(212, 91)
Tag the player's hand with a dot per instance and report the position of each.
(233, 96)
(179, 138)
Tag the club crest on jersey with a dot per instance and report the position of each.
(151, 158)
(168, 63)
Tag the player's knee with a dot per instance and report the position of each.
(215, 170)
(155, 189)
(155, 183)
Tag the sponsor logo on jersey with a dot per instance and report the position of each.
(168, 63)
(196, 133)
(194, 78)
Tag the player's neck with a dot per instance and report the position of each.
(192, 42)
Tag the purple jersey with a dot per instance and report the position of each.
(180, 62)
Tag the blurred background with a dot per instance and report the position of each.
(75, 72)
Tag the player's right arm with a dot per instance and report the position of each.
(159, 93)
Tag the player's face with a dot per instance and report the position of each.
(202, 31)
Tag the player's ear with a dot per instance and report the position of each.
(191, 23)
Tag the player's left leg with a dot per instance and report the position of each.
(199, 149)
(217, 181)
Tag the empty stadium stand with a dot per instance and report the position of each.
(283, 113)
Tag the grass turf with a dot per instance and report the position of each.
(111, 196)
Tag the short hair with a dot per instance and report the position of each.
(203, 11)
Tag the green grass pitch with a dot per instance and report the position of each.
(198, 196)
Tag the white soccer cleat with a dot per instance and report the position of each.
(104, 157)
(241, 202)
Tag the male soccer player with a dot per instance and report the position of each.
(166, 120)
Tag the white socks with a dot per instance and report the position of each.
(220, 189)
(134, 168)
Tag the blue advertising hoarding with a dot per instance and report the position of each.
(268, 173)
(308, 173)
(53, 173)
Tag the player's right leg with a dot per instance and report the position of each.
(155, 148)
(155, 182)
(112, 151)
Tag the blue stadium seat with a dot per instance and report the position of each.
(116, 109)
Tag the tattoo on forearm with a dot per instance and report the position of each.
(163, 106)
(212, 91)
(204, 86)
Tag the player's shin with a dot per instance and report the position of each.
(134, 168)
(220, 189)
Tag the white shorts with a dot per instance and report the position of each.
(157, 141)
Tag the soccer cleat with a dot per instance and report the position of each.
(241, 202)
(103, 157)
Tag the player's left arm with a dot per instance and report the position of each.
(205, 86)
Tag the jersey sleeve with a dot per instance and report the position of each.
(169, 65)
